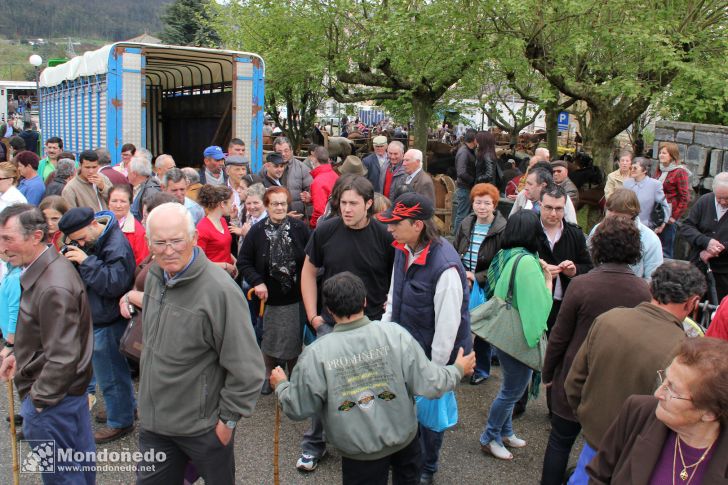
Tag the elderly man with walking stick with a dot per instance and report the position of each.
(51, 356)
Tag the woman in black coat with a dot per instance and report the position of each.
(271, 260)
(477, 240)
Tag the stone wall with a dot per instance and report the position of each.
(703, 148)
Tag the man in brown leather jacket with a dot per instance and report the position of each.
(53, 343)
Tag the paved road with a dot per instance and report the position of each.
(461, 461)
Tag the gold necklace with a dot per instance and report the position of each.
(684, 473)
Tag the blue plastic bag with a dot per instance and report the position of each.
(437, 414)
(477, 296)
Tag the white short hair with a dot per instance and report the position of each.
(720, 179)
(161, 159)
(416, 153)
(396, 144)
(144, 153)
(140, 166)
(173, 209)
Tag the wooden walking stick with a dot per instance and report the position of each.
(276, 436)
(13, 436)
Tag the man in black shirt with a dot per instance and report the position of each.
(356, 242)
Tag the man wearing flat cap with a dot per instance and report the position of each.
(105, 262)
(236, 167)
(273, 169)
(376, 160)
(428, 295)
(561, 178)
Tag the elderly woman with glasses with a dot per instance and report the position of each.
(270, 261)
(678, 435)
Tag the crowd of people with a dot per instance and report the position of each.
(334, 287)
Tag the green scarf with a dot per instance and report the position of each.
(496, 267)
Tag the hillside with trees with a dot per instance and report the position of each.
(108, 20)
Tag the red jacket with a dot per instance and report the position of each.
(677, 190)
(135, 234)
(324, 179)
(719, 326)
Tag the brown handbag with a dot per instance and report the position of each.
(131, 341)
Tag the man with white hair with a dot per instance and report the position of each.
(542, 154)
(417, 179)
(162, 164)
(140, 177)
(706, 229)
(201, 368)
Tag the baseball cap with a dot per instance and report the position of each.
(274, 158)
(410, 205)
(214, 152)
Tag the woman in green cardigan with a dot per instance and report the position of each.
(532, 298)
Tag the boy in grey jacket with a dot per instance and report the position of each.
(361, 379)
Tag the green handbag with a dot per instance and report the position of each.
(498, 323)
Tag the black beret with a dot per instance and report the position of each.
(75, 219)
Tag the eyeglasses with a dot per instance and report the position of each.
(549, 208)
(277, 204)
(665, 386)
(177, 245)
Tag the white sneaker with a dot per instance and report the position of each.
(308, 463)
(514, 441)
(498, 451)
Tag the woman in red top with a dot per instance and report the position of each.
(213, 235)
(120, 198)
(675, 181)
(53, 208)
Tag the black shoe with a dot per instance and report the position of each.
(476, 379)
(518, 411)
(18, 420)
(267, 389)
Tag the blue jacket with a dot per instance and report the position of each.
(108, 272)
(10, 300)
(413, 293)
(371, 162)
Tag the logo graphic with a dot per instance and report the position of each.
(40, 458)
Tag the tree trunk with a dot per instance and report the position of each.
(552, 129)
(603, 152)
(514, 137)
(423, 107)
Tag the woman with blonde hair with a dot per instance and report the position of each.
(616, 179)
(9, 193)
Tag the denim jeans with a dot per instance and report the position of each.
(667, 238)
(112, 375)
(460, 207)
(68, 424)
(516, 377)
(482, 351)
(580, 477)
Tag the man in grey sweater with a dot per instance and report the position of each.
(201, 368)
(361, 379)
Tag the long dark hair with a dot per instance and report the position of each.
(486, 145)
(522, 231)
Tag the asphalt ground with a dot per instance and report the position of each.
(461, 461)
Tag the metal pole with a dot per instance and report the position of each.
(40, 105)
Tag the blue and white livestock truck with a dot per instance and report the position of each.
(168, 99)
